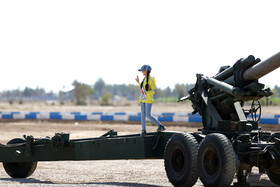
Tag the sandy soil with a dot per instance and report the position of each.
(96, 173)
(92, 173)
(157, 107)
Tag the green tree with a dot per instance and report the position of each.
(105, 100)
(159, 93)
(167, 92)
(275, 93)
(180, 90)
(277, 88)
(27, 92)
(189, 87)
(273, 97)
(99, 87)
(269, 100)
(81, 91)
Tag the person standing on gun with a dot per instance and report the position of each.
(147, 87)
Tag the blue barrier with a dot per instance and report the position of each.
(80, 117)
(168, 114)
(55, 116)
(107, 118)
(54, 113)
(194, 115)
(250, 116)
(7, 116)
(195, 119)
(30, 116)
(134, 118)
(96, 113)
(165, 118)
(121, 116)
(269, 121)
(120, 113)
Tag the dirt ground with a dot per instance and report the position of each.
(92, 173)
(95, 173)
(133, 107)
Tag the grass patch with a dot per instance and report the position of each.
(275, 100)
(270, 101)
(149, 124)
(167, 100)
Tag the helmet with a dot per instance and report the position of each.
(145, 67)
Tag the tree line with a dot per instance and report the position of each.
(27, 92)
(101, 91)
(132, 91)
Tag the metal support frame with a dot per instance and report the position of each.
(103, 148)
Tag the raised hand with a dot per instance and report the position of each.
(137, 79)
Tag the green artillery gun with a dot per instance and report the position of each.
(234, 142)
(229, 142)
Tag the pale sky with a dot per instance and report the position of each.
(51, 43)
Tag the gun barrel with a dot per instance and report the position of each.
(221, 85)
(263, 68)
(229, 71)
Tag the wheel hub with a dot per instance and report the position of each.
(211, 164)
(178, 160)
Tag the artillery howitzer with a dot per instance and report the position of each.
(234, 142)
(229, 142)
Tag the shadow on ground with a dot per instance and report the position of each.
(255, 180)
(24, 181)
(124, 184)
(9, 181)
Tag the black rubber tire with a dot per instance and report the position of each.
(274, 175)
(19, 169)
(180, 159)
(216, 161)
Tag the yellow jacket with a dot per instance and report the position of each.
(147, 96)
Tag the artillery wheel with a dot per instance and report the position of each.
(216, 161)
(180, 159)
(274, 175)
(19, 169)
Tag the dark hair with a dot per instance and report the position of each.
(147, 85)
